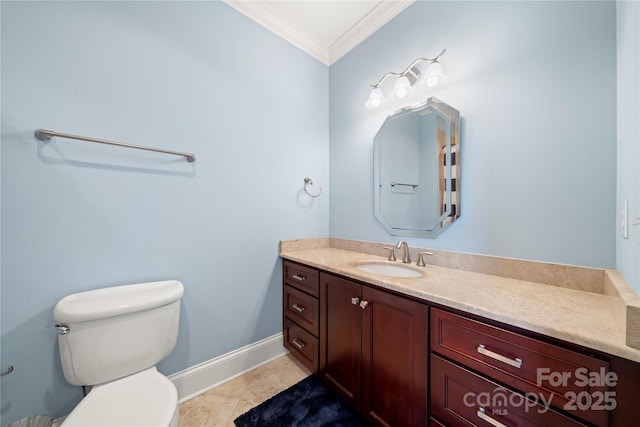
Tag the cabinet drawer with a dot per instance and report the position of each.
(301, 308)
(302, 344)
(460, 397)
(304, 278)
(525, 364)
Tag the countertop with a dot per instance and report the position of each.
(588, 319)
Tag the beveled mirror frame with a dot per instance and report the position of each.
(447, 184)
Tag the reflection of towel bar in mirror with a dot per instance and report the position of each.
(395, 184)
(44, 135)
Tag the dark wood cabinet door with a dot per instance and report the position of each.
(517, 360)
(301, 277)
(463, 398)
(394, 359)
(340, 329)
(302, 345)
(301, 308)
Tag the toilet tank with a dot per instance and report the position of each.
(109, 333)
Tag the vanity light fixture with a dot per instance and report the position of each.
(405, 84)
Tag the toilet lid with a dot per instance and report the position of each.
(147, 398)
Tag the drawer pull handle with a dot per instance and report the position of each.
(299, 278)
(517, 362)
(299, 344)
(483, 416)
(297, 308)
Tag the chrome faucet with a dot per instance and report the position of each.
(405, 258)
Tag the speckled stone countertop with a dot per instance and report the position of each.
(594, 318)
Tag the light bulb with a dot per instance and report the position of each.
(434, 76)
(401, 88)
(375, 98)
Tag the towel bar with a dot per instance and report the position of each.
(44, 135)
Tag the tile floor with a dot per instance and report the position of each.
(221, 405)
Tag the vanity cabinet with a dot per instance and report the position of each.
(401, 362)
(300, 304)
(373, 350)
(491, 370)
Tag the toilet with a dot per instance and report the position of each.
(112, 339)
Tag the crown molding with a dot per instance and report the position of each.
(369, 24)
(269, 18)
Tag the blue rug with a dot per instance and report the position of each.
(306, 404)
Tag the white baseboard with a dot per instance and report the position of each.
(200, 378)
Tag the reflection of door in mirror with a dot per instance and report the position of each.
(450, 176)
(413, 171)
(442, 161)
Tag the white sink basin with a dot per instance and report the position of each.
(395, 270)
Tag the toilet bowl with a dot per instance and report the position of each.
(144, 399)
(112, 339)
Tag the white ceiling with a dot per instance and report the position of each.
(325, 29)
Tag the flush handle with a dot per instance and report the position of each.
(62, 329)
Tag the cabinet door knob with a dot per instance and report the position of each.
(355, 300)
(364, 304)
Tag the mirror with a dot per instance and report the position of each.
(416, 172)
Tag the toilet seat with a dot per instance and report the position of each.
(147, 398)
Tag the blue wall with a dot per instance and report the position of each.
(189, 76)
(628, 112)
(535, 83)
